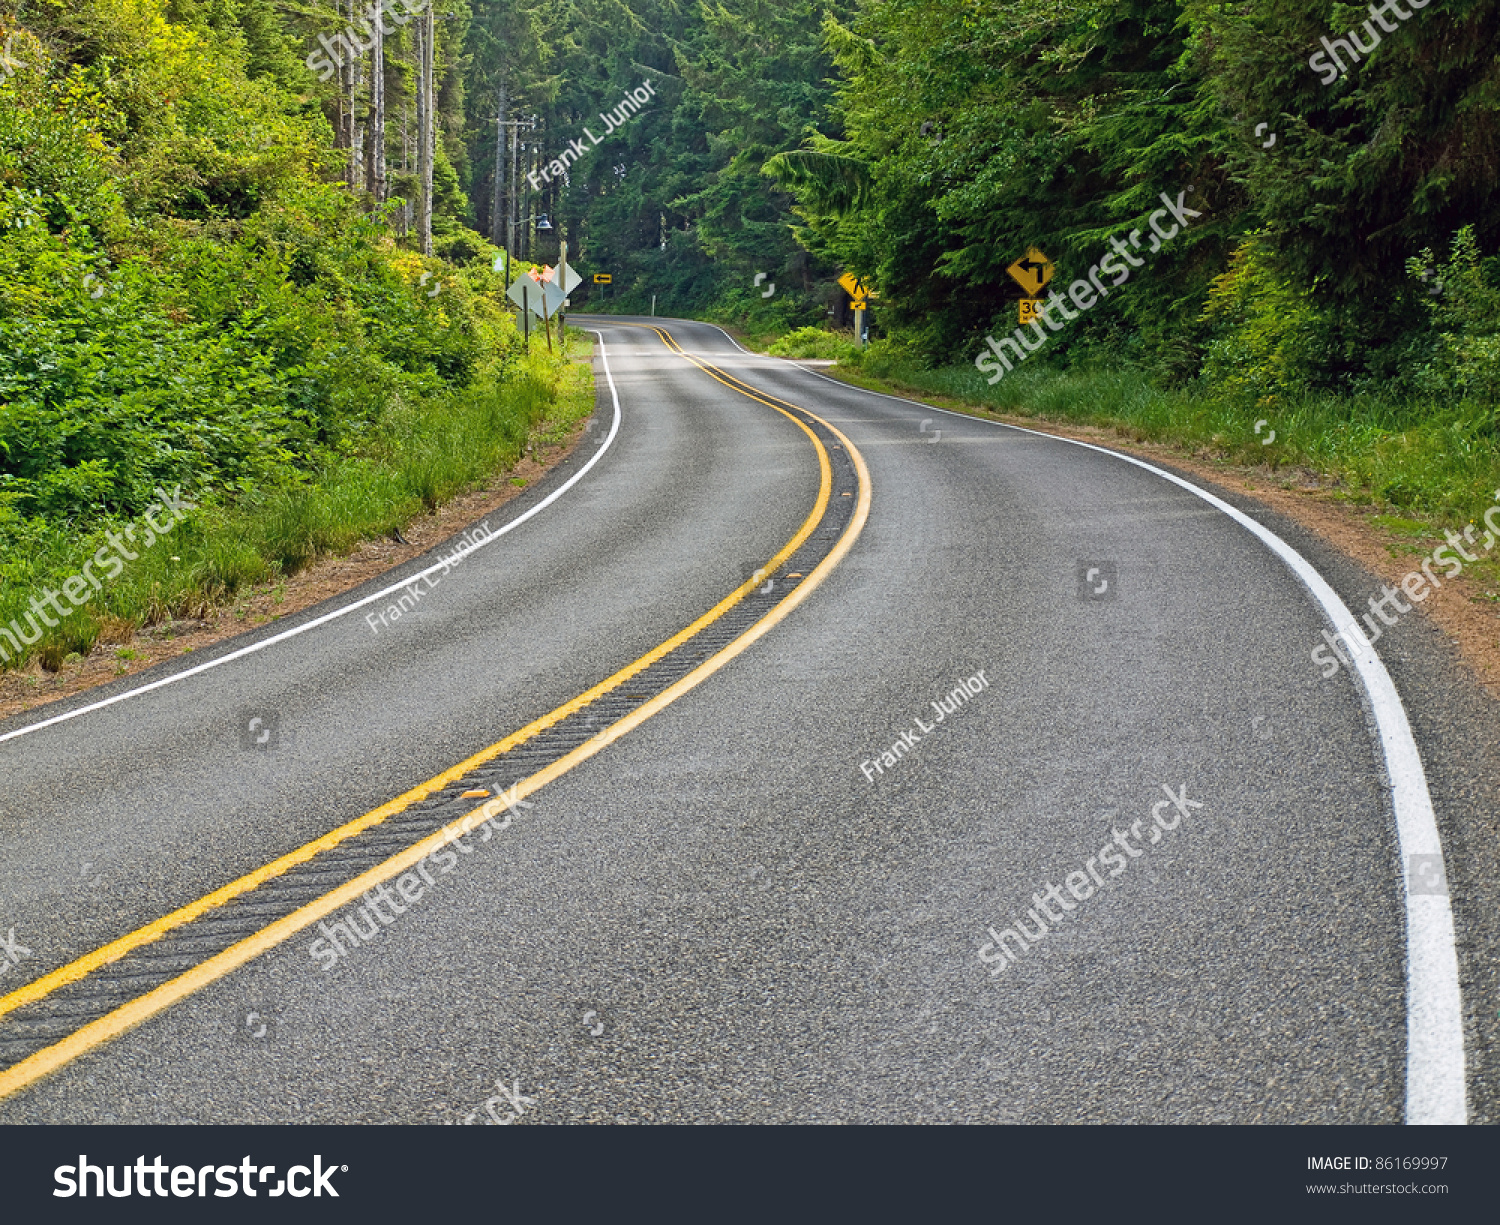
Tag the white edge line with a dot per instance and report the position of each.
(747, 352)
(1436, 1086)
(552, 497)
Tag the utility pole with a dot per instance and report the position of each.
(511, 215)
(501, 200)
(505, 202)
(528, 236)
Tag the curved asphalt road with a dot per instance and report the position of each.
(719, 917)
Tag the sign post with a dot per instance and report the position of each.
(859, 301)
(562, 269)
(1032, 272)
(549, 294)
(545, 278)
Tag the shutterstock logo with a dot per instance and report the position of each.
(188, 1181)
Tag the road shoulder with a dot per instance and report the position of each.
(1467, 609)
(551, 444)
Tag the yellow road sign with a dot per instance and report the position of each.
(853, 286)
(601, 278)
(1030, 310)
(1032, 272)
(859, 304)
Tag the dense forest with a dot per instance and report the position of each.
(252, 249)
(197, 312)
(1346, 217)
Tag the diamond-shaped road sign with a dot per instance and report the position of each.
(857, 290)
(1032, 272)
(549, 275)
(542, 299)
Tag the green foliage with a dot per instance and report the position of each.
(186, 301)
(672, 203)
(963, 135)
(816, 343)
(1263, 328)
(1465, 314)
(1393, 156)
(421, 457)
(971, 133)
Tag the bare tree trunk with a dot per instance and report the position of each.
(375, 174)
(419, 34)
(346, 103)
(427, 133)
(405, 165)
(357, 129)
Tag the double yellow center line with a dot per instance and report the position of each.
(127, 1016)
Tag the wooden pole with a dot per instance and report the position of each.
(498, 227)
(562, 278)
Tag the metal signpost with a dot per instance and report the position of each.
(1032, 272)
(859, 300)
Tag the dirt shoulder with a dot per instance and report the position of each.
(33, 686)
(1466, 609)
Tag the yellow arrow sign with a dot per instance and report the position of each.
(853, 286)
(1032, 272)
(602, 278)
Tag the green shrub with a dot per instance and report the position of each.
(185, 300)
(1464, 356)
(816, 343)
(1263, 328)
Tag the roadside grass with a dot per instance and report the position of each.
(1425, 467)
(1419, 459)
(421, 456)
(817, 343)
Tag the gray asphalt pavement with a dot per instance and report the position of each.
(723, 916)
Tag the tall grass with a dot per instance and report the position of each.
(1440, 459)
(421, 457)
